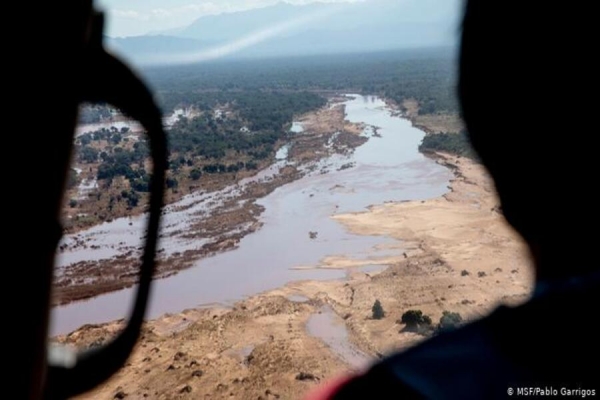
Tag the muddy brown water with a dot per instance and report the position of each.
(386, 168)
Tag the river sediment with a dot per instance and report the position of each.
(295, 228)
(458, 255)
(450, 252)
(211, 220)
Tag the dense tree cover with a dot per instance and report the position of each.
(114, 160)
(201, 137)
(258, 99)
(212, 143)
(426, 75)
(126, 163)
(92, 113)
(113, 135)
(270, 111)
(257, 124)
(454, 143)
(88, 154)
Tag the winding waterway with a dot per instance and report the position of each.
(388, 167)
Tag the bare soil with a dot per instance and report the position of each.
(261, 348)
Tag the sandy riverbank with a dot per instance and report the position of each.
(261, 348)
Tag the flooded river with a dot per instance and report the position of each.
(388, 167)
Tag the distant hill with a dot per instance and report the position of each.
(153, 44)
(294, 30)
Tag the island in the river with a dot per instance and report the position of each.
(432, 252)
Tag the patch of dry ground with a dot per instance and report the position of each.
(459, 255)
(330, 120)
(258, 350)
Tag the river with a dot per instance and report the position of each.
(388, 167)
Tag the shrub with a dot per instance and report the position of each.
(454, 143)
(132, 199)
(449, 321)
(172, 183)
(141, 185)
(377, 310)
(195, 174)
(415, 321)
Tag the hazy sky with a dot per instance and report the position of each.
(138, 17)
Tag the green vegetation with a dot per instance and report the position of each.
(72, 179)
(377, 310)
(449, 321)
(243, 110)
(241, 135)
(416, 321)
(454, 143)
(131, 197)
(195, 174)
(251, 127)
(122, 162)
(240, 131)
(429, 76)
(88, 155)
(172, 183)
(93, 113)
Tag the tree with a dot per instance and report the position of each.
(141, 184)
(377, 310)
(449, 321)
(116, 138)
(416, 321)
(88, 154)
(195, 174)
(132, 199)
(172, 183)
(73, 179)
(86, 139)
(455, 143)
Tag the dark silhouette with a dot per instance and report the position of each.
(449, 320)
(63, 67)
(521, 70)
(377, 310)
(415, 321)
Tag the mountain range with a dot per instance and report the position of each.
(296, 30)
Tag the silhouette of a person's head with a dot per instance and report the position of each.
(515, 85)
